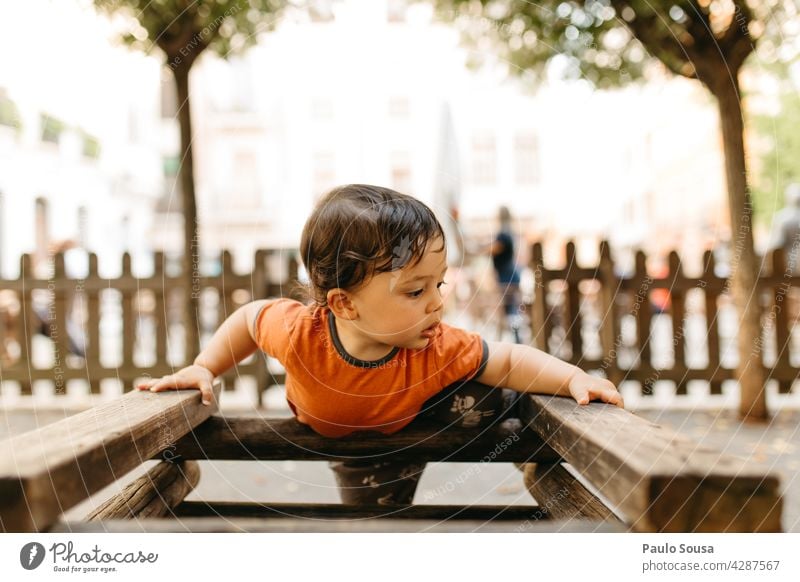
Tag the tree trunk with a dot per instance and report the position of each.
(744, 263)
(190, 265)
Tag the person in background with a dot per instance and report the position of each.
(503, 253)
(786, 229)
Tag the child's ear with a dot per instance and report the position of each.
(341, 304)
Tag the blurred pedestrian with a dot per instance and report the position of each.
(503, 259)
(786, 229)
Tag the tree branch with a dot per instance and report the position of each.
(647, 27)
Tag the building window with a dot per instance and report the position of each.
(484, 158)
(246, 190)
(51, 128)
(400, 165)
(9, 114)
(526, 158)
(91, 145)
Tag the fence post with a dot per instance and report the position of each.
(160, 292)
(573, 319)
(711, 289)
(780, 298)
(293, 268)
(128, 324)
(539, 318)
(57, 319)
(93, 324)
(29, 320)
(259, 285)
(677, 312)
(642, 284)
(609, 330)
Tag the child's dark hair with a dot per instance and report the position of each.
(357, 231)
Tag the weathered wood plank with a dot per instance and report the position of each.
(242, 438)
(47, 471)
(154, 494)
(287, 525)
(659, 480)
(337, 511)
(560, 496)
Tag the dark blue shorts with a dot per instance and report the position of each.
(393, 482)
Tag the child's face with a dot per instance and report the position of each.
(402, 308)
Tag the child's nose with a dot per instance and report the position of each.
(436, 304)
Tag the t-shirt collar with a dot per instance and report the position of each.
(353, 361)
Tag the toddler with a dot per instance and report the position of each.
(370, 351)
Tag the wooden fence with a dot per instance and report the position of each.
(591, 316)
(151, 338)
(566, 296)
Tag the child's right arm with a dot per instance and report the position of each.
(232, 342)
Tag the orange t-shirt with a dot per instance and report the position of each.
(336, 394)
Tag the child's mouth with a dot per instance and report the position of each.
(430, 331)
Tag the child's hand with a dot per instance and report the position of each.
(193, 376)
(584, 387)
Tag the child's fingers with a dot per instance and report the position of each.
(608, 395)
(172, 382)
(178, 382)
(614, 397)
(581, 396)
(206, 392)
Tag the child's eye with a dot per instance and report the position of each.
(439, 285)
(416, 293)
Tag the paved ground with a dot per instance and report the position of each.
(774, 447)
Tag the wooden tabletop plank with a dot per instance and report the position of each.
(289, 525)
(46, 471)
(250, 438)
(339, 511)
(660, 480)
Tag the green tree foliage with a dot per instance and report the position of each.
(9, 113)
(778, 148)
(184, 29)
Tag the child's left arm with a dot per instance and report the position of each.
(526, 369)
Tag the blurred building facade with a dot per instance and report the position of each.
(377, 91)
(358, 91)
(79, 141)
